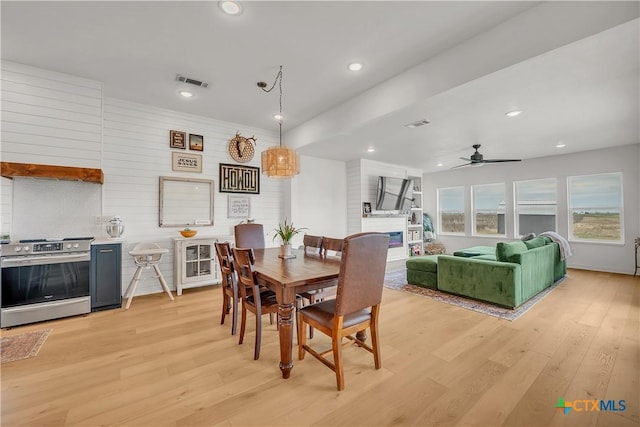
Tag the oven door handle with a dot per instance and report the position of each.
(44, 260)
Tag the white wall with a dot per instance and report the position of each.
(318, 198)
(595, 256)
(56, 119)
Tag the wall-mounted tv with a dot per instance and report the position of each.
(394, 194)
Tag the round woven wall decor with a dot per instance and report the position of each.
(241, 149)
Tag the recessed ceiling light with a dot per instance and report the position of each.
(230, 7)
(185, 93)
(278, 117)
(440, 164)
(371, 150)
(355, 66)
(513, 113)
(561, 145)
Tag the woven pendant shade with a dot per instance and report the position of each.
(280, 162)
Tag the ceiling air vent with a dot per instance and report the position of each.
(417, 124)
(191, 81)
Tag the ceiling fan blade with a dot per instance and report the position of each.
(465, 159)
(501, 160)
(461, 166)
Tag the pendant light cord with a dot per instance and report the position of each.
(279, 81)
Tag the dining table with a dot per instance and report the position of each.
(288, 277)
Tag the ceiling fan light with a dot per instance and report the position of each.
(355, 66)
(230, 7)
(513, 113)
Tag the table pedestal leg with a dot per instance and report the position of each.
(285, 323)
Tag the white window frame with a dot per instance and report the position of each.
(570, 209)
(473, 211)
(464, 207)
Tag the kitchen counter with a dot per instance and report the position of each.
(108, 241)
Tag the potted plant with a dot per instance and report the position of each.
(286, 231)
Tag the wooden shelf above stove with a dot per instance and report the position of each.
(29, 170)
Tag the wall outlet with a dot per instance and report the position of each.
(98, 220)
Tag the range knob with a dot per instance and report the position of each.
(18, 248)
(26, 248)
(76, 245)
(68, 245)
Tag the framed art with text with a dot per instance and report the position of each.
(177, 139)
(186, 162)
(239, 179)
(239, 206)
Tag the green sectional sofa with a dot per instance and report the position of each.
(507, 275)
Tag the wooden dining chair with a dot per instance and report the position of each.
(357, 303)
(249, 236)
(312, 245)
(229, 285)
(332, 247)
(254, 298)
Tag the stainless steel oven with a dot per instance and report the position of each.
(44, 279)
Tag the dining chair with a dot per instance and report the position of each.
(312, 245)
(249, 236)
(229, 286)
(255, 298)
(332, 247)
(357, 303)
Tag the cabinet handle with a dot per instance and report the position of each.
(102, 251)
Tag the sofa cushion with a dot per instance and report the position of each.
(536, 242)
(475, 251)
(506, 250)
(488, 257)
(428, 263)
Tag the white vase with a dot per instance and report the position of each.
(285, 250)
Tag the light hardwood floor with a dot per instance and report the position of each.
(165, 363)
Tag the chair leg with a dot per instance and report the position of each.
(131, 289)
(163, 283)
(234, 319)
(375, 342)
(242, 323)
(336, 342)
(302, 336)
(256, 351)
(225, 305)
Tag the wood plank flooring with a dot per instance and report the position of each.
(164, 363)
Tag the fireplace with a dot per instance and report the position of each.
(395, 239)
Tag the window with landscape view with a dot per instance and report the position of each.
(595, 207)
(536, 206)
(451, 210)
(488, 209)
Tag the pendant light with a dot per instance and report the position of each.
(279, 161)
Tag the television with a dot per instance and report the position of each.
(394, 194)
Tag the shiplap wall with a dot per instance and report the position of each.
(50, 118)
(137, 153)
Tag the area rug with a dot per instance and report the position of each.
(398, 280)
(22, 346)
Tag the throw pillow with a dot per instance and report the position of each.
(505, 250)
(528, 237)
(536, 242)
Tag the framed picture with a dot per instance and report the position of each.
(239, 179)
(196, 142)
(239, 207)
(186, 162)
(177, 139)
(366, 208)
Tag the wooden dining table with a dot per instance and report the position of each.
(288, 277)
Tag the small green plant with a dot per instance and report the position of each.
(286, 231)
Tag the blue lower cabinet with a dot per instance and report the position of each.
(105, 277)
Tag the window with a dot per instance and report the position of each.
(536, 206)
(595, 207)
(451, 210)
(488, 209)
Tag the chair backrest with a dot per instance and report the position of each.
(312, 244)
(225, 260)
(249, 236)
(243, 259)
(147, 260)
(364, 260)
(332, 247)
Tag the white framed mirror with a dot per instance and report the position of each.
(185, 202)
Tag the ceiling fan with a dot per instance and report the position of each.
(478, 160)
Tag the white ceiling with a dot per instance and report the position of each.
(584, 93)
